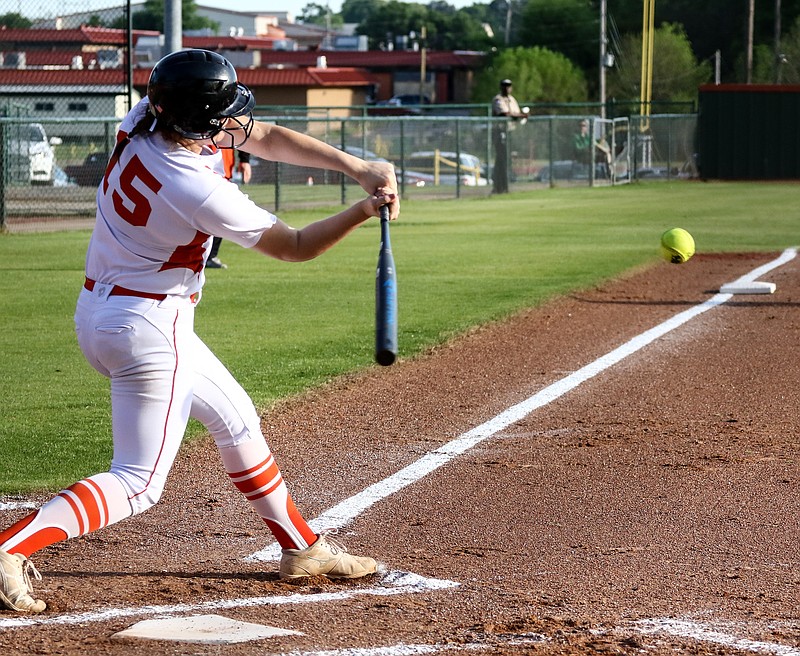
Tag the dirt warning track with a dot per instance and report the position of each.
(650, 507)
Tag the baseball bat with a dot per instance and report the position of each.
(385, 298)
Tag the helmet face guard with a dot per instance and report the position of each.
(232, 137)
(196, 92)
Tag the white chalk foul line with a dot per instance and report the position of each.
(17, 505)
(704, 633)
(393, 583)
(343, 513)
(403, 649)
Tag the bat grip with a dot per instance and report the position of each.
(384, 212)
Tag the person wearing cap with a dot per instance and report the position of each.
(503, 105)
(588, 151)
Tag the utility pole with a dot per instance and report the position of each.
(173, 26)
(751, 12)
(603, 56)
(129, 45)
(778, 56)
(423, 34)
(508, 21)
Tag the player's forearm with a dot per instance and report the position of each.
(316, 238)
(300, 245)
(276, 143)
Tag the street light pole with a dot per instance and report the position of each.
(603, 55)
(751, 11)
(173, 30)
(778, 57)
(423, 33)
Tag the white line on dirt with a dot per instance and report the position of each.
(395, 582)
(403, 649)
(346, 511)
(407, 583)
(17, 505)
(704, 633)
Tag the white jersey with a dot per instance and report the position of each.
(157, 208)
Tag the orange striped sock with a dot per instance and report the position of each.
(84, 507)
(254, 472)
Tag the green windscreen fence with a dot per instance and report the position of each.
(749, 132)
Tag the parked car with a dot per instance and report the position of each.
(31, 158)
(446, 163)
(363, 153)
(263, 171)
(404, 99)
(402, 104)
(61, 179)
(90, 172)
(413, 178)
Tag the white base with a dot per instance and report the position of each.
(748, 288)
(203, 629)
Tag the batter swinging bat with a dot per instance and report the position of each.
(385, 298)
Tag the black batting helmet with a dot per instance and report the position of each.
(194, 92)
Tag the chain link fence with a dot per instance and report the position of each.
(63, 67)
(52, 166)
(69, 74)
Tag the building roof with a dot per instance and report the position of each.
(82, 35)
(305, 77)
(231, 42)
(281, 15)
(37, 79)
(376, 58)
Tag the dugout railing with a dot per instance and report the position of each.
(542, 153)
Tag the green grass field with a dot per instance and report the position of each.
(282, 328)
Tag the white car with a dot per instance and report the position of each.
(32, 159)
(442, 167)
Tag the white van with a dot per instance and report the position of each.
(31, 156)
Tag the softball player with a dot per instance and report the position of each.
(158, 204)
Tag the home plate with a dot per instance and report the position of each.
(205, 629)
(748, 288)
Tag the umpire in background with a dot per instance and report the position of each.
(503, 104)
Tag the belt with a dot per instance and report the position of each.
(116, 290)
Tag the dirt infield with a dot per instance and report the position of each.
(651, 509)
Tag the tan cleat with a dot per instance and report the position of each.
(326, 557)
(15, 584)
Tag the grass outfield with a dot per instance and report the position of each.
(282, 328)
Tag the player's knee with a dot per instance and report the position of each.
(245, 428)
(146, 499)
(144, 492)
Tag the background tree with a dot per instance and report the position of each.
(676, 71)
(151, 17)
(502, 14)
(538, 74)
(456, 30)
(316, 14)
(447, 28)
(394, 19)
(14, 20)
(570, 27)
(357, 11)
(790, 49)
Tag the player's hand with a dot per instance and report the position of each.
(371, 205)
(378, 178)
(246, 170)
